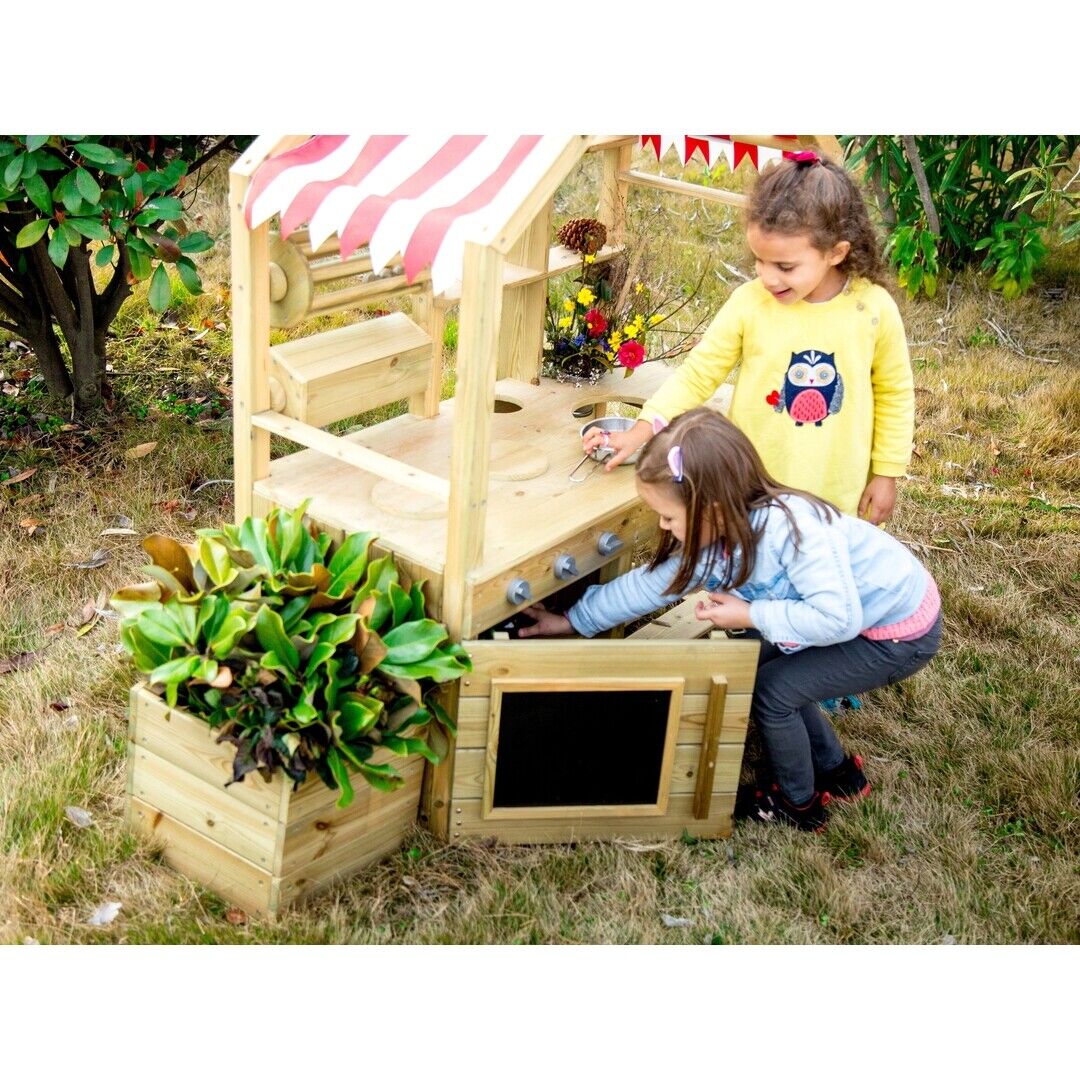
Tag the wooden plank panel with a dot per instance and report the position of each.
(696, 661)
(473, 713)
(680, 623)
(189, 743)
(204, 807)
(466, 822)
(469, 770)
(322, 846)
(201, 859)
(314, 799)
(707, 759)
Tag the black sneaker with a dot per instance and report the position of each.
(847, 781)
(755, 804)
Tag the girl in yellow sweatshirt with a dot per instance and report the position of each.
(824, 390)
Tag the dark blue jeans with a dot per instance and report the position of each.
(798, 738)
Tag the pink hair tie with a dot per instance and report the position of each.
(674, 462)
(806, 157)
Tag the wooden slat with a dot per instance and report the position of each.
(352, 453)
(610, 142)
(326, 303)
(198, 857)
(473, 713)
(613, 191)
(696, 661)
(679, 624)
(469, 770)
(521, 329)
(432, 317)
(467, 822)
(714, 718)
(681, 187)
(205, 807)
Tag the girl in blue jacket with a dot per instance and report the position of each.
(840, 605)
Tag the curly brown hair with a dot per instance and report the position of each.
(819, 199)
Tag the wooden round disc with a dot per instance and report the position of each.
(394, 499)
(513, 460)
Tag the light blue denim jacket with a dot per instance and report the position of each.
(846, 576)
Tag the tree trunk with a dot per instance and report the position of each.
(912, 150)
(50, 360)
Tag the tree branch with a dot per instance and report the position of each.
(198, 163)
(59, 301)
(912, 150)
(117, 291)
(11, 328)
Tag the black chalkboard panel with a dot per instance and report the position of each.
(580, 747)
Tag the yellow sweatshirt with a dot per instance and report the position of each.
(825, 391)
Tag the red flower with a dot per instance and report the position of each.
(596, 323)
(631, 354)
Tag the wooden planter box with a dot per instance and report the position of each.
(261, 846)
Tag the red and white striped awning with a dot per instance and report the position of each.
(712, 147)
(417, 197)
(420, 198)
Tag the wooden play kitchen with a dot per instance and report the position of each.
(557, 740)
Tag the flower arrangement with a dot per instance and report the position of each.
(305, 661)
(609, 314)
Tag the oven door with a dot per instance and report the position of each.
(573, 740)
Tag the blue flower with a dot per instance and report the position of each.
(579, 340)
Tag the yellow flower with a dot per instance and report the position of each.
(639, 321)
(565, 322)
(585, 297)
(639, 287)
(590, 258)
(569, 304)
(630, 331)
(654, 319)
(615, 340)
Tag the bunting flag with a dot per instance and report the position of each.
(711, 147)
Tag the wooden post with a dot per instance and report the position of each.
(430, 315)
(470, 453)
(251, 347)
(706, 770)
(613, 192)
(522, 332)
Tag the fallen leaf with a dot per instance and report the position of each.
(122, 521)
(19, 660)
(30, 524)
(97, 558)
(406, 879)
(236, 917)
(119, 532)
(104, 913)
(80, 818)
(141, 450)
(87, 626)
(29, 500)
(671, 922)
(19, 478)
(55, 628)
(59, 706)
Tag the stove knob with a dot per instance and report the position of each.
(565, 567)
(608, 543)
(518, 591)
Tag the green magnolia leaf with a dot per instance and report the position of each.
(160, 289)
(404, 747)
(338, 629)
(340, 773)
(235, 625)
(349, 562)
(270, 631)
(215, 560)
(157, 624)
(356, 718)
(58, 249)
(32, 233)
(132, 600)
(39, 193)
(105, 255)
(380, 777)
(412, 641)
(255, 538)
(400, 604)
(416, 594)
(439, 668)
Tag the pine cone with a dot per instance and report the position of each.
(586, 236)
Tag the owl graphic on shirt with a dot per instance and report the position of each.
(813, 388)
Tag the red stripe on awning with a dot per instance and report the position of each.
(314, 149)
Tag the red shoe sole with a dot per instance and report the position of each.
(861, 794)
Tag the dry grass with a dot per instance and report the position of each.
(973, 832)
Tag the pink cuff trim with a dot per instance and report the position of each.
(916, 624)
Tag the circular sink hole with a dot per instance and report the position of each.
(615, 408)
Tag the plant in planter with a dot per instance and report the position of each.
(305, 661)
(604, 320)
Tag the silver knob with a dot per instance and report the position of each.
(518, 591)
(608, 543)
(565, 567)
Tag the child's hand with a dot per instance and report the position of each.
(725, 611)
(878, 500)
(548, 624)
(624, 443)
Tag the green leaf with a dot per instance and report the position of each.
(340, 773)
(32, 233)
(87, 186)
(95, 152)
(14, 170)
(189, 276)
(167, 208)
(270, 631)
(133, 189)
(39, 193)
(105, 255)
(58, 249)
(349, 562)
(400, 603)
(413, 641)
(175, 671)
(195, 242)
(160, 289)
(71, 234)
(91, 228)
(35, 142)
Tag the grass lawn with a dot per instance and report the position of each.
(972, 833)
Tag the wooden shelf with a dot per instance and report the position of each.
(561, 260)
